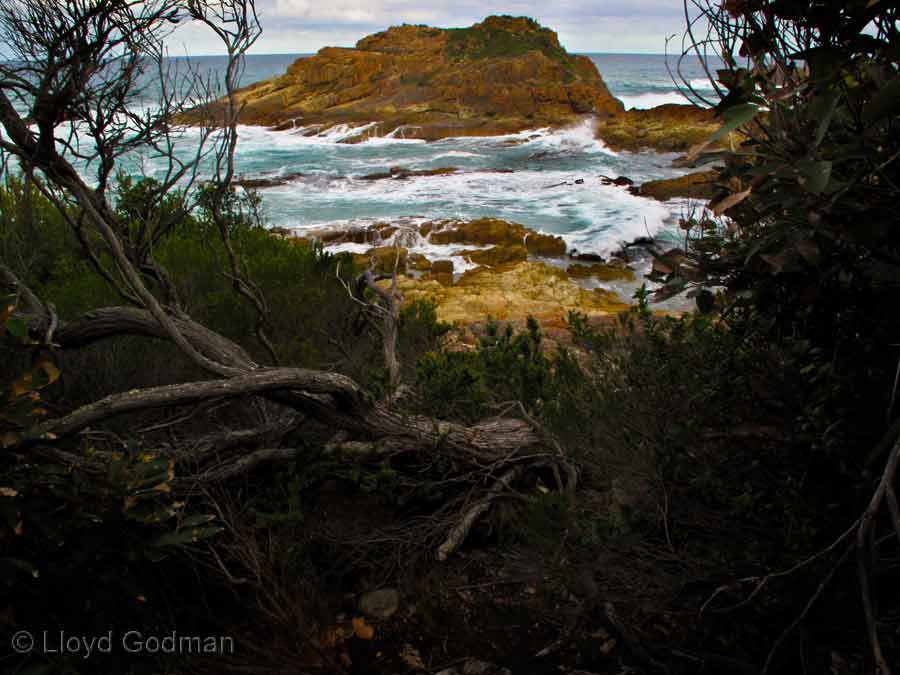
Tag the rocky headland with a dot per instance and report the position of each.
(503, 75)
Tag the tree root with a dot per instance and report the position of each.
(459, 533)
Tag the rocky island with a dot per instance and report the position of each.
(503, 75)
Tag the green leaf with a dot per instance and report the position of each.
(50, 370)
(701, 158)
(201, 519)
(735, 198)
(823, 109)
(735, 117)
(26, 567)
(814, 175)
(17, 328)
(186, 536)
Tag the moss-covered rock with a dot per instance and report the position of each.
(498, 255)
(666, 128)
(601, 272)
(699, 185)
(545, 245)
(442, 267)
(493, 231)
(418, 262)
(383, 259)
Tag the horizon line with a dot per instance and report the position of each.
(577, 53)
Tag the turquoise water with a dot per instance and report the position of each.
(546, 180)
(549, 182)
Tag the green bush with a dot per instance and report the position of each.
(505, 368)
(812, 250)
(82, 523)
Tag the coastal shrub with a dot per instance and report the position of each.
(801, 254)
(79, 512)
(504, 36)
(810, 247)
(312, 315)
(692, 466)
(674, 388)
(506, 368)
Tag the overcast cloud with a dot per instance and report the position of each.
(302, 26)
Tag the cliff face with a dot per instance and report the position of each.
(500, 76)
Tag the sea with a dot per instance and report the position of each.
(549, 179)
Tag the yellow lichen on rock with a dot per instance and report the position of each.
(498, 255)
(383, 259)
(666, 128)
(699, 185)
(493, 231)
(512, 293)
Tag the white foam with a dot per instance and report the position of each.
(542, 191)
(646, 101)
(702, 84)
(533, 197)
(457, 153)
(393, 140)
(577, 138)
(407, 235)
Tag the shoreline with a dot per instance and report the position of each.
(489, 268)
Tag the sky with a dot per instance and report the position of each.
(305, 26)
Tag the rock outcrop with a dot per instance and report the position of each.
(666, 128)
(493, 231)
(517, 272)
(502, 75)
(700, 185)
(512, 292)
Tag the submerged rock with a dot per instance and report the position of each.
(618, 181)
(499, 76)
(260, 182)
(399, 173)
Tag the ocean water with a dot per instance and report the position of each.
(644, 81)
(546, 180)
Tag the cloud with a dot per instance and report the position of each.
(334, 11)
(303, 26)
